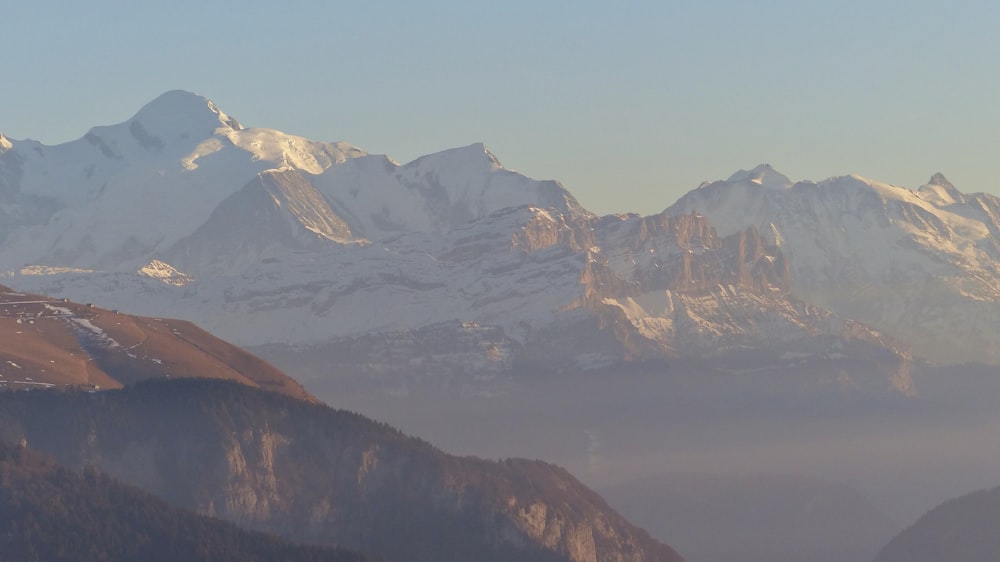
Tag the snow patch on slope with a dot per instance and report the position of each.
(33, 270)
(95, 333)
(165, 273)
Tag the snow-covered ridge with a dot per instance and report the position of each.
(550, 291)
(125, 193)
(922, 265)
(268, 239)
(434, 193)
(143, 189)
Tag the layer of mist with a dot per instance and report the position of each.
(799, 436)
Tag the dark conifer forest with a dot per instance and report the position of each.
(49, 513)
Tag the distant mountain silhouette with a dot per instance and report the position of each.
(963, 529)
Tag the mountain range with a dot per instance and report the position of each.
(753, 312)
(452, 270)
(922, 265)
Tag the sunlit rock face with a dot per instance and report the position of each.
(317, 475)
(920, 265)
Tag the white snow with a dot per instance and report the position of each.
(140, 186)
(763, 175)
(57, 310)
(48, 270)
(166, 273)
(879, 253)
(95, 332)
(451, 234)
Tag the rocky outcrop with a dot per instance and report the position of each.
(317, 475)
(918, 265)
(685, 255)
(545, 229)
(51, 513)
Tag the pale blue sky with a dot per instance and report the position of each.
(628, 105)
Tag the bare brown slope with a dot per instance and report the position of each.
(51, 342)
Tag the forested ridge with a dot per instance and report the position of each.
(49, 513)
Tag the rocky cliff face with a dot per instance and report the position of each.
(555, 294)
(683, 254)
(920, 265)
(317, 475)
(52, 513)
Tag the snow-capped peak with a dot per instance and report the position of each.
(5, 144)
(472, 155)
(764, 175)
(941, 192)
(939, 179)
(178, 115)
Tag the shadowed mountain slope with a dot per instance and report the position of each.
(960, 530)
(54, 514)
(317, 475)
